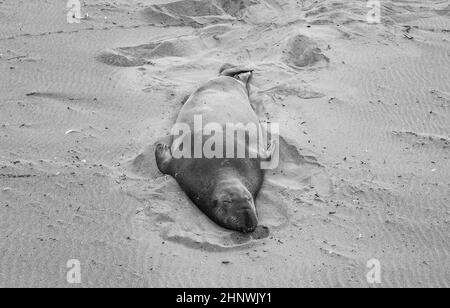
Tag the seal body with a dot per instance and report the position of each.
(224, 187)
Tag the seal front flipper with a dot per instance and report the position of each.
(267, 155)
(163, 157)
(270, 158)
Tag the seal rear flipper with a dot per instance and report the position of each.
(236, 71)
(163, 157)
(242, 73)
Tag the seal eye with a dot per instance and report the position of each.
(227, 203)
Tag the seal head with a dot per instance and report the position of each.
(233, 206)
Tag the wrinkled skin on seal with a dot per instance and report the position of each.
(223, 188)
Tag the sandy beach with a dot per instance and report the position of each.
(364, 115)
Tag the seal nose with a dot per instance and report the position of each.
(250, 221)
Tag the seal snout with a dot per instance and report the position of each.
(234, 207)
(249, 220)
(241, 218)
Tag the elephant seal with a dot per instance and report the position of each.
(224, 187)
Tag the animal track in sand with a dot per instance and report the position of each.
(142, 54)
(196, 13)
(115, 59)
(301, 51)
(301, 90)
(423, 138)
